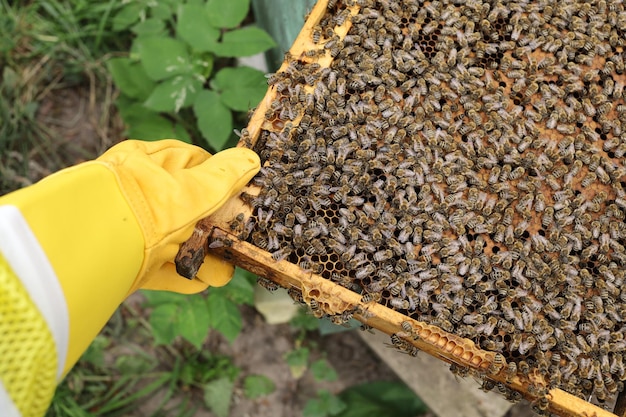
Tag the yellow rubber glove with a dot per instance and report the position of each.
(111, 226)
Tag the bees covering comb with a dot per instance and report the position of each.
(463, 165)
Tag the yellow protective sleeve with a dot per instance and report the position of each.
(92, 239)
(28, 358)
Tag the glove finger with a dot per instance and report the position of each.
(208, 185)
(166, 278)
(215, 271)
(169, 154)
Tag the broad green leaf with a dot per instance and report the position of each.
(155, 298)
(217, 395)
(194, 320)
(297, 360)
(173, 94)
(134, 51)
(215, 120)
(242, 87)
(154, 128)
(322, 371)
(135, 363)
(201, 367)
(203, 66)
(178, 314)
(10, 79)
(181, 134)
(95, 352)
(127, 107)
(130, 77)
(151, 128)
(382, 399)
(128, 15)
(325, 405)
(247, 275)
(244, 42)
(305, 321)
(239, 290)
(163, 57)
(174, 3)
(165, 323)
(224, 316)
(149, 27)
(256, 386)
(160, 10)
(193, 27)
(143, 123)
(227, 14)
(30, 109)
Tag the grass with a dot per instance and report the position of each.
(45, 48)
(120, 376)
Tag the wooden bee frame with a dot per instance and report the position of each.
(334, 299)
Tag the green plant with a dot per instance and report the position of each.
(325, 404)
(46, 47)
(376, 399)
(322, 371)
(191, 317)
(381, 399)
(178, 80)
(256, 386)
(304, 322)
(116, 376)
(298, 360)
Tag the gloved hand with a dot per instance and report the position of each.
(170, 186)
(107, 227)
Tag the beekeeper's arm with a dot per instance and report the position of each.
(76, 244)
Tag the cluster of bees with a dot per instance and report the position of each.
(463, 164)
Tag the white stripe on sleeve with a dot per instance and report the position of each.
(22, 251)
(7, 406)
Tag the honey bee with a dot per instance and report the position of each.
(497, 364)
(267, 284)
(370, 297)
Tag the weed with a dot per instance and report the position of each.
(178, 80)
(256, 386)
(192, 317)
(380, 398)
(325, 404)
(116, 376)
(47, 47)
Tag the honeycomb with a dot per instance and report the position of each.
(461, 163)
